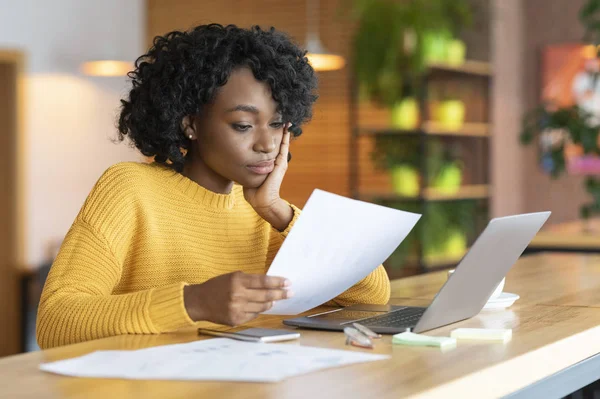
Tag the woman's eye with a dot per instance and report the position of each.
(277, 125)
(241, 128)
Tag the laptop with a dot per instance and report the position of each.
(462, 296)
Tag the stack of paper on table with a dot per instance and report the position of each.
(219, 359)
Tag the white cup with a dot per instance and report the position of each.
(496, 292)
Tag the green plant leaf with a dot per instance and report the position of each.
(392, 150)
(589, 9)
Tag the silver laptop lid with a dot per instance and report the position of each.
(495, 251)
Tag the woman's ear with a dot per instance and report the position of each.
(188, 127)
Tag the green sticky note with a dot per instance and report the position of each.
(412, 339)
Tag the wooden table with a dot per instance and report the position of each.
(577, 236)
(554, 350)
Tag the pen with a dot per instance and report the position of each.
(233, 335)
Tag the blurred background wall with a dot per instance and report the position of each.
(556, 22)
(67, 121)
(69, 117)
(507, 155)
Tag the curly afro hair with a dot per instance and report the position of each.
(183, 71)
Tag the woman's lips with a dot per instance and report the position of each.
(262, 168)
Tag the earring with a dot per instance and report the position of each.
(190, 136)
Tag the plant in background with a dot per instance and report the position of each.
(392, 150)
(395, 39)
(443, 231)
(449, 110)
(450, 113)
(444, 168)
(409, 247)
(589, 16)
(446, 226)
(569, 131)
(399, 156)
(558, 130)
(393, 45)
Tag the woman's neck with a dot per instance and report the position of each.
(196, 170)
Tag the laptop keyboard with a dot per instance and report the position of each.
(404, 317)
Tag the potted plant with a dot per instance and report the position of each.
(399, 156)
(561, 133)
(456, 52)
(589, 15)
(450, 113)
(442, 233)
(568, 137)
(446, 227)
(396, 40)
(449, 110)
(445, 170)
(405, 114)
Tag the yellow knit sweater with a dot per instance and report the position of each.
(145, 232)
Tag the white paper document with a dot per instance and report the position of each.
(335, 243)
(220, 359)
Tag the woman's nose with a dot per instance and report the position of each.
(265, 141)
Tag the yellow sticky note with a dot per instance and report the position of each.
(483, 334)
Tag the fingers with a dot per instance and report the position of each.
(285, 142)
(252, 294)
(237, 319)
(268, 295)
(261, 281)
(248, 317)
(284, 149)
(257, 307)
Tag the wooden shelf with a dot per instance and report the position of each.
(474, 134)
(468, 129)
(473, 191)
(475, 68)
(433, 128)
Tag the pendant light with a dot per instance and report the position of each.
(106, 68)
(320, 59)
(109, 56)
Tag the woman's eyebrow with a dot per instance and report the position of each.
(245, 108)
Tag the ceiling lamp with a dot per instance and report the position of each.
(318, 57)
(106, 68)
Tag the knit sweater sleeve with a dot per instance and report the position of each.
(297, 212)
(78, 303)
(373, 289)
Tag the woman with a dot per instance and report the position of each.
(189, 237)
